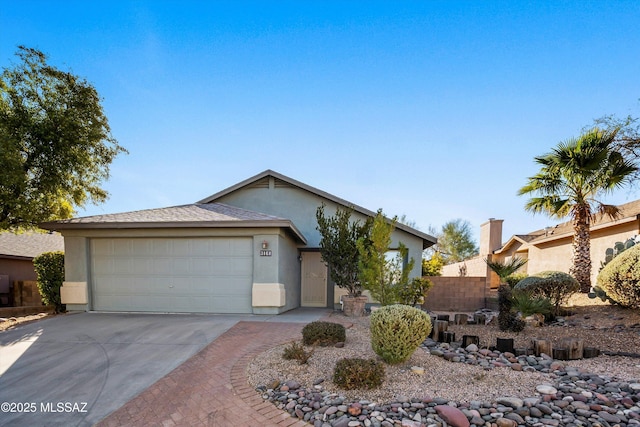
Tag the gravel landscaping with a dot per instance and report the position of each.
(473, 386)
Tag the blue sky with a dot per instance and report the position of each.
(431, 109)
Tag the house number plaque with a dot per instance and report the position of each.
(265, 252)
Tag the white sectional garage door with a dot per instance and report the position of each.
(190, 275)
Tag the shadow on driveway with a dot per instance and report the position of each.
(74, 370)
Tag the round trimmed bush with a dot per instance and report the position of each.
(620, 278)
(323, 333)
(397, 331)
(556, 286)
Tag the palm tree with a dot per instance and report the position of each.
(571, 180)
(505, 269)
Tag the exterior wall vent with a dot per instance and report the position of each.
(263, 183)
(281, 184)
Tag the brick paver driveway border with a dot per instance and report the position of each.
(211, 389)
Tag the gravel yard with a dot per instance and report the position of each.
(603, 326)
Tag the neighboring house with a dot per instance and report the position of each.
(550, 248)
(251, 248)
(17, 251)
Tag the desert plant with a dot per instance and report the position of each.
(513, 279)
(49, 268)
(610, 254)
(338, 237)
(528, 305)
(358, 373)
(571, 181)
(397, 331)
(323, 333)
(554, 285)
(507, 319)
(617, 249)
(415, 291)
(620, 279)
(381, 275)
(295, 351)
(505, 269)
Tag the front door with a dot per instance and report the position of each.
(314, 280)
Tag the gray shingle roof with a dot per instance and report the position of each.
(208, 215)
(29, 244)
(216, 212)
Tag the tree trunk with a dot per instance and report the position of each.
(581, 268)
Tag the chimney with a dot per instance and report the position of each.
(490, 236)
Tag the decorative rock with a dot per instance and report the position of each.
(292, 385)
(355, 409)
(505, 422)
(512, 402)
(610, 418)
(274, 384)
(546, 389)
(452, 416)
(417, 370)
(471, 348)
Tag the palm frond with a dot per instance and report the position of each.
(506, 268)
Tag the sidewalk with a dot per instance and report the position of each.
(211, 388)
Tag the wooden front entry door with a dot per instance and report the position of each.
(314, 281)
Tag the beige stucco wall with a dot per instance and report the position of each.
(475, 267)
(557, 255)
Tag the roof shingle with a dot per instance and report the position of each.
(29, 244)
(209, 212)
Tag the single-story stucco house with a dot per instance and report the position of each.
(250, 248)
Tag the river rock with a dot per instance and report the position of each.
(452, 416)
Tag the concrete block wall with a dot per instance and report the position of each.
(461, 294)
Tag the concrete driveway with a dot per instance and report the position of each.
(74, 370)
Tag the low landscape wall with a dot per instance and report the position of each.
(461, 294)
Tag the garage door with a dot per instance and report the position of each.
(206, 275)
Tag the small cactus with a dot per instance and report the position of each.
(617, 249)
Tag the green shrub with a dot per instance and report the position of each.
(620, 278)
(415, 291)
(513, 279)
(358, 374)
(323, 333)
(49, 268)
(397, 331)
(528, 305)
(553, 285)
(296, 351)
